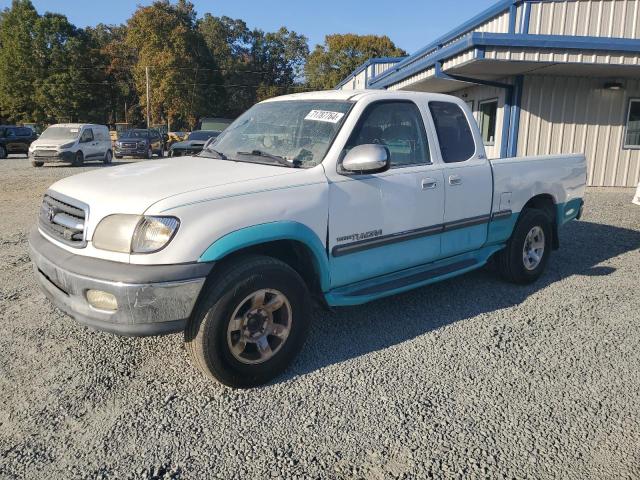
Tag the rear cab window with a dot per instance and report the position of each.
(453, 130)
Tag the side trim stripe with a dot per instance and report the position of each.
(354, 247)
(501, 215)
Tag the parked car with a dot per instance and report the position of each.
(193, 144)
(372, 193)
(139, 143)
(72, 143)
(14, 139)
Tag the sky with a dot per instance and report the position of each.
(411, 24)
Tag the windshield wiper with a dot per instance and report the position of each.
(220, 155)
(280, 160)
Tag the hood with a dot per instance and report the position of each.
(51, 142)
(135, 187)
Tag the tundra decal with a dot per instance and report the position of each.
(360, 236)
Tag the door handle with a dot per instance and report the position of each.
(429, 183)
(455, 180)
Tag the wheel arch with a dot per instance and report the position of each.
(546, 203)
(291, 242)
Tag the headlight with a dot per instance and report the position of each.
(153, 233)
(134, 233)
(66, 145)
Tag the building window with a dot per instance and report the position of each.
(632, 134)
(488, 111)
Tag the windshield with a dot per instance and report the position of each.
(60, 133)
(202, 135)
(289, 133)
(134, 134)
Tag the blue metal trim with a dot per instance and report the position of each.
(506, 121)
(367, 64)
(478, 39)
(513, 10)
(437, 44)
(526, 18)
(514, 130)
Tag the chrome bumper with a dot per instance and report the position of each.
(144, 307)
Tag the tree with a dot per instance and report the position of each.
(184, 79)
(18, 69)
(255, 65)
(340, 54)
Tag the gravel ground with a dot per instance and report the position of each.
(467, 378)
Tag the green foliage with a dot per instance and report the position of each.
(340, 54)
(213, 66)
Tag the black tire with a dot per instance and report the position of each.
(78, 160)
(118, 157)
(36, 164)
(149, 154)
(206, 334)
(511, 262)
(3, 152)
(161, 153)
(108, 157)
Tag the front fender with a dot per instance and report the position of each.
(269, 232)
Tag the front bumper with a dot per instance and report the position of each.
(152, 299)
(130, 152)
(66, 157)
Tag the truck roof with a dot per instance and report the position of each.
(356, 95)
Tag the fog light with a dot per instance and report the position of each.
(102, 300)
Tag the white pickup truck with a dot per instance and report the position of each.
(344, 197)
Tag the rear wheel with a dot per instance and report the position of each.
(251, 321)
(3, 152)
(527, 252)
(78, 160)
(108, 157)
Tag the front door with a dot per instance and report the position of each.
(468, 181)
(389, 221)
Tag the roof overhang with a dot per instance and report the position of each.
(489, 56)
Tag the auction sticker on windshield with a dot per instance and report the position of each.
(324, 116)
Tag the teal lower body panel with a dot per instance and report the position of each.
(568, 211)
(350, 295)
(374, 262)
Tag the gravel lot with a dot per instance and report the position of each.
(467, 378)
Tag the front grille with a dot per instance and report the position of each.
(63, 221)
(45, 153)
(129, 144)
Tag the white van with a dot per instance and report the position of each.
(72, 143)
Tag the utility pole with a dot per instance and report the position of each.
(146, 71)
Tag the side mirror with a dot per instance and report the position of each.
(364, 159)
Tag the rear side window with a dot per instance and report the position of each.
(396, 125)
(24, 132)
(454, 134)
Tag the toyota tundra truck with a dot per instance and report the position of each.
(338, 197)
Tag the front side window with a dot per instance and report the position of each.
(454, 134)
(60, 133)
(293, 133)
(632, 133)
(87, 135)
(488, 116)
(396, 125)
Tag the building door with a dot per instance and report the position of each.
(388, 221)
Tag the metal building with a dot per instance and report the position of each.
(542, 77)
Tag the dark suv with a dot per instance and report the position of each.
(15, 139)
(139, 143)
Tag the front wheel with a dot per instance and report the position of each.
(78, 160)
(527, 252)
(3, 152)
(108, 157)
(251, 321)
(36, 164)
(149, 153)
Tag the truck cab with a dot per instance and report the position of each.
(341, 197)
